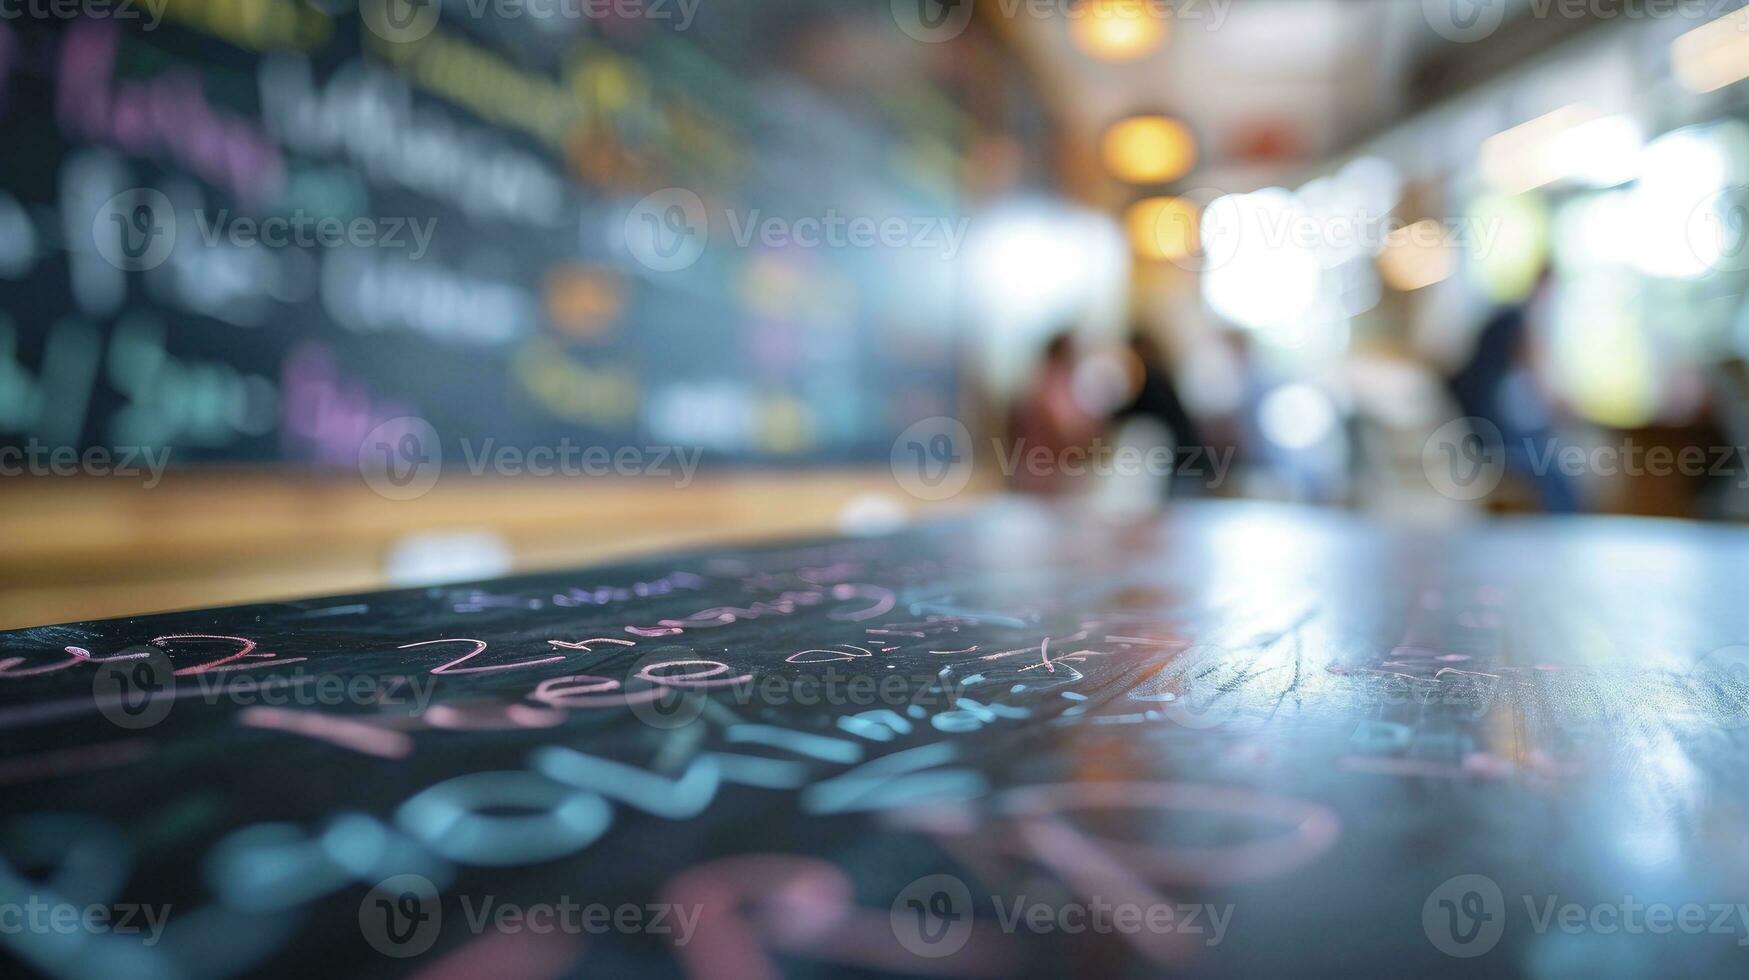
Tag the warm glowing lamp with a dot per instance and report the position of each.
(1149, 150)
(1417, 256)
(1162, 228)
(1117, 30)
(1572, 142)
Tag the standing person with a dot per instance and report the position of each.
(1155, 400)
(1156, 396)
(1498, 384)
(1048, 414)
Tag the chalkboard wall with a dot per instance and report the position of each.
(260, 231)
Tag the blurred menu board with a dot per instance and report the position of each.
(267, 230)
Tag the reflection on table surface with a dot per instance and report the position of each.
(1238, 738)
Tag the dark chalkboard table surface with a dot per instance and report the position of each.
(1235, 740)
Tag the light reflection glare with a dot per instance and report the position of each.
(1298, 416)
(1271, 278)
(1575, 142)
(1683, 170)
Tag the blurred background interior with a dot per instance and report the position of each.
(1350, 253)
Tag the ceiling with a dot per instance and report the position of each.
(1273, 85)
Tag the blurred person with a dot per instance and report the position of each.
(1155, 415)
(1156, 391)
(1286, 434)
(1049, 415)
(1499, 384)
(1235, 429)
